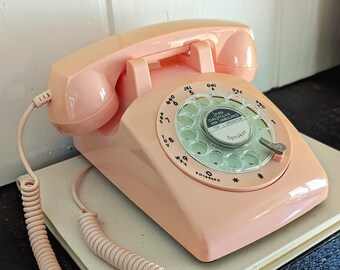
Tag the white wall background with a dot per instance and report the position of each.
(295, 39)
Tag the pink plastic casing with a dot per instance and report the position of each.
(83, 84)
(208, 222)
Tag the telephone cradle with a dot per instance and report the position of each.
(167, 113)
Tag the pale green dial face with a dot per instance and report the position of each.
(222, 132)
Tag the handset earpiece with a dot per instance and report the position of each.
(87, 103)
(238, 56)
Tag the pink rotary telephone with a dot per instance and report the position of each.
(168, 115)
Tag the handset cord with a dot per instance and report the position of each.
(102, 246)
(96, 240)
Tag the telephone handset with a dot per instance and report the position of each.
(167, 113)
(84, 84)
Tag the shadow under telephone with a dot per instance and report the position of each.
(167, 113)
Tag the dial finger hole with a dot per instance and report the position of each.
(235, 163)
(218, 99)
(251, 159)
(262, 124)
(190, 108)
(215, 157)
(188, 134)
(236, 101)
(199, 148)
(185, 119)
(203, 101)
(252, 111)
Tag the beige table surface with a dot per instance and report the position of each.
(123, 222)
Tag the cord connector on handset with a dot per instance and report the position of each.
(42, 98)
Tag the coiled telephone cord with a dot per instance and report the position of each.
(40, 244)
(31, 201)
(111, 252)
(102, 246)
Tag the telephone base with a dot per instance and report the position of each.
(209, 222)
